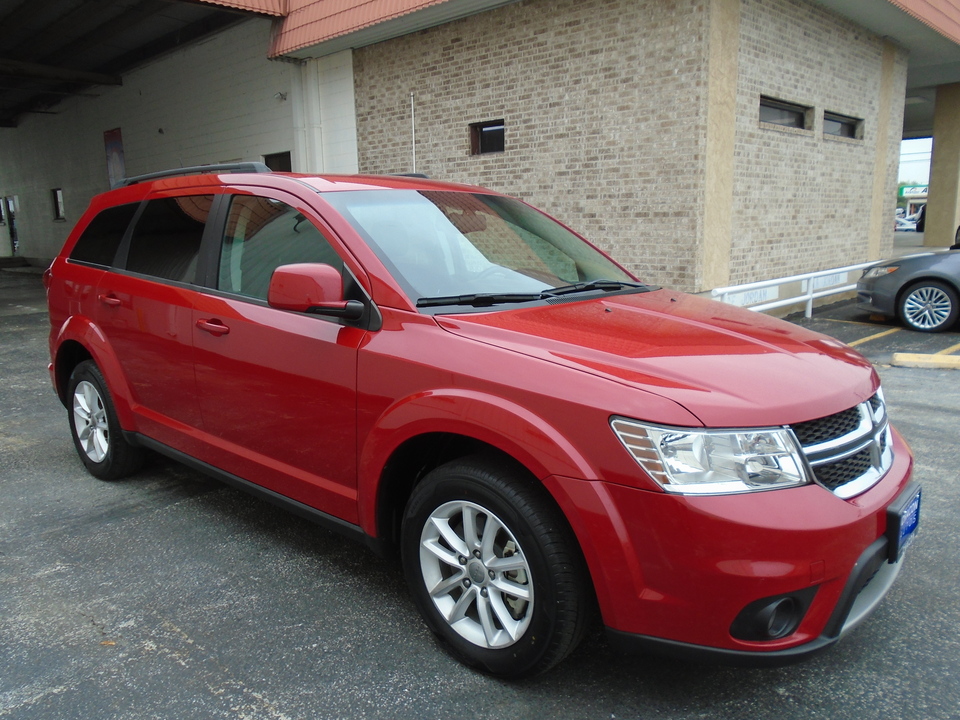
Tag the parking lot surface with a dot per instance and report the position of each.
(171, 596)
(884, 341)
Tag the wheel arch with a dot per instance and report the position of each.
(925, 278)
(908, 287)
(70, 353)
(419, 434)
(80, 340)
(413, 460)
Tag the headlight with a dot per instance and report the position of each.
(686, 460)
(880, 271)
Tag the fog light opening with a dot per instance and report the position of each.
(779, 618)
(772, 618)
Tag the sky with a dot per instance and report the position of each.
(915, 160)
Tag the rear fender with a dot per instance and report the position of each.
(82, 331)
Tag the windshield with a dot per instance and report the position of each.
(444, 246)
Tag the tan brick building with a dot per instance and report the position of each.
(701, 142)
(621, 117)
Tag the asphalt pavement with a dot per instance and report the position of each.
(171, 596)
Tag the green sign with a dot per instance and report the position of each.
(913, 190)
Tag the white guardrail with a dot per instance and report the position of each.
(813, 285)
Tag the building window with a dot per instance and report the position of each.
(278, 162)
(785, 114)
(842, 126)
(56, 195)
(487, 137)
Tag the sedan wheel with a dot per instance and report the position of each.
(929, 307)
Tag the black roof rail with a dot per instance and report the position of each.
(244, 167)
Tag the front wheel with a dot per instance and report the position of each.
(94, 426)
(929, 306)
(493, 568)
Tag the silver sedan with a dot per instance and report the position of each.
(922, 291)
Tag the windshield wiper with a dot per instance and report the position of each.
(590, 285)
(488, 299)
(477, 299)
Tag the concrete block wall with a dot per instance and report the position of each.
(214, 101)
(603, 103)
(802, 200)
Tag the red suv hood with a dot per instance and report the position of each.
(728, 366)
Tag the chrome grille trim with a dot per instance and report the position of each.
(853, 461)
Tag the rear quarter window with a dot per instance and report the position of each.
(99, 242)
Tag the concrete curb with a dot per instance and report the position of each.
(918, 360)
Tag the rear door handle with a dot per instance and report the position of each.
(111, 300)
(214, 327)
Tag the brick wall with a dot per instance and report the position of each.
(802, 201)
(603, 103)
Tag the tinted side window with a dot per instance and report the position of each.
(99, 242)
(166, 239)
(261, 235)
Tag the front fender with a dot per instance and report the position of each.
(515, 430)
(80, 330)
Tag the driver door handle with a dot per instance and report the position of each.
(214, 327)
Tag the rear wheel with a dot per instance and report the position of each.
(493, 568)
(94, 426)
(929, 306)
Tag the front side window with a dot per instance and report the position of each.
(261, 235)
(440, 243)
(166, 240)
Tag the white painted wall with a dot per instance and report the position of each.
(325, 117)
(214, 101)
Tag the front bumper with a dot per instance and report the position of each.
(867, 585)
(877, 295)
(672, 573)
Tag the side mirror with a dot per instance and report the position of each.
(312, 288)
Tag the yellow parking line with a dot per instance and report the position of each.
(849, 322)
(861, 341)
(940, 362)
(948, 351)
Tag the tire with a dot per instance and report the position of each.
(494, 568)
(94, 426)
(929, 306)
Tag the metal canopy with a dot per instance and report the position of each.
(53, 49)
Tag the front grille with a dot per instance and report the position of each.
(833, 475)
(850, 450)
(815, 432)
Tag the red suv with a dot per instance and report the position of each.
(464, 383)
